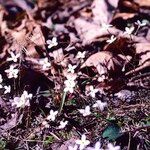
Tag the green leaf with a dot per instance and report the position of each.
(111, 132)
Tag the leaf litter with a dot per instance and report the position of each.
(74, 55)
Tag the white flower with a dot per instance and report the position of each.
(106, 26)
(141, 24)
(96, 147)
(52, 43)
(111, 147)
(86, 111)
(12, 72)
(80, 55)
(111, 40)
(52, 115)
(1, 80)
(124, 95)
(83, 142)
(100, 105)
(69, 83)
(45, 124)
(23, 100)
(13, 57)
(7, 89)
(71, 68)
(63, 124)
(129, 30)
(75, 147)
(93, 91)
(45, 63)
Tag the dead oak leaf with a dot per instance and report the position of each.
(104, 62)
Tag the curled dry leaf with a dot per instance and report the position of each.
(104, 62)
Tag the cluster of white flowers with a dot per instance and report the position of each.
(12, 72)
(83, 143)
(7, 89)
(21, 102)
(69, 83)
(51, 117)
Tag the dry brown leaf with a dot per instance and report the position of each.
(104, 62)
(125, 16)
(100, 12)
(37, 36)
(143, 2)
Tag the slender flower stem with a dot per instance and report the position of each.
(62, 102)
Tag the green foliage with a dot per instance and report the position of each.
(49, 140)
(2, 144)
(111, 132)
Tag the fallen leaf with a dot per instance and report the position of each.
(143, 3)
(104, 62)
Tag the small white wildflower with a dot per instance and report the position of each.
(141, 24)
(71, 68)
(63, 124)
(129, 30)
(52, 43)
(45, 124)
(12, 72)
(81, 55)
(112, 147)
(69, 84)
(7, 89)
(13, 57)
(23, 100)
(86, 111)
(1, 80)
(45, 63)
(75, 147)
(100, 105)
(93, 91)
(106, 26)
(96, 147)
(83, 142)
(52, 115)
(111, 40)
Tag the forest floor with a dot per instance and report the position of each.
(74, 74)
